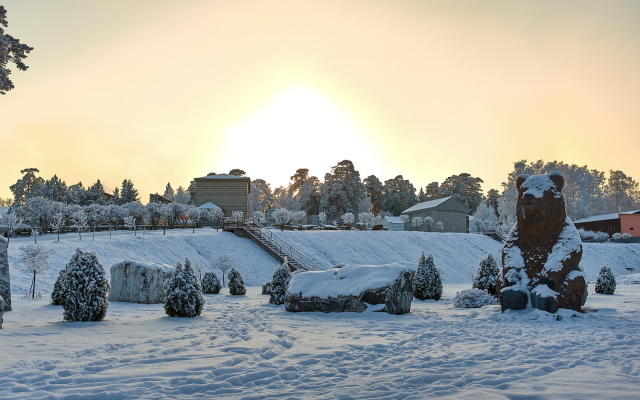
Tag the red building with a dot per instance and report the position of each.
(623, 222)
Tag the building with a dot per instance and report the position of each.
(229, 192)
(156, 198)
(623, 222)
(393, 223)
(451, 212)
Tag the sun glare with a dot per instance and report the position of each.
(297, 129)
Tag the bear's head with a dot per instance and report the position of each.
(540, 202)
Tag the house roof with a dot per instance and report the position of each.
(393, 220)
(224, 176)
(604, 217)
(208, 206)
(427, 205)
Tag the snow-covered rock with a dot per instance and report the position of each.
(5, 280)
(1, 310)
(350, 288)
(138, 283)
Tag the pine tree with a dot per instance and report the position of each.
(183, 293)
(128, 193)
(59, 289)
(606, 281)
(11, 50)
(85, 295)
(280, 283)
(211, 283)
(236, 283)
(487, 274)
(427, 283)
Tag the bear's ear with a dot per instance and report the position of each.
(558, 179)
(521, 180)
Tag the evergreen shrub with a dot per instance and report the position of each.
(427, 283)
(280, 283)
(86, 288)
(606, 281)
(487, 274)
(236, 283)
(183, 293)
(211, 283)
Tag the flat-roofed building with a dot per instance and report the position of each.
(451, 212)
(623, 222)
(229, 192)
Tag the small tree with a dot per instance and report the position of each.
(280, 282)
(58, 222)
(348, 218)
(322, 217)
(487, 274)
(606, 281)
(80, 219)
(427, 283)
(281, 216)
(198, 267)
(34, 259)
(298, 216)
(10, 222)
(130, 222)
(165, 214)
(183, 293)
(429, 222)
(225, 262)
(216, 215)
(236, 283)
(258, 216)
(211, 283)
(417, 222)
(85, 297)
(59, 288)
(404, 219)
(440, 226)
(195, 215)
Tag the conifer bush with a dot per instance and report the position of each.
(606, 281)
(487, 274)
(236, 283)
(57, 295)
(211, 283)
(86, 288)
(473, 298)
(427, 283)
(280, 283)
(183, 293)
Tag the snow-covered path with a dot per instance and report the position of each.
(243, 347)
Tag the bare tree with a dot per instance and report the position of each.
(224, 263)
(10, 222)
(34, 259)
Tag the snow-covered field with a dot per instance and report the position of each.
(243, 347)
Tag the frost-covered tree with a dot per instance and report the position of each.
(128, 193)
(29, 185)
(216, 215)
(236, 283)
(404, 219)
(169, 194)
(260, 195)
(428, 221)
(399, 194)
(96, 216)
(258, 216)
(182, 196)
(183, 293)
(87, 287)
(621, 191)
(165, 216)
(280, 283)
(33, 260)
(322, 217)
(427, 283)
(195, 215)
(11, 50)
(225, 262)
(59, 288)
(281, 216)
(211, 283)
(417, 222)
(152, 212)
(9, 223)
(473, 298)
(342, 191)
(485, 218)
(487, 274)
(298, 216)
(348, 219)
(237, 216)
(81, 221)
(440, 225)
(58, 222)
(130, 223)
(606, 281)
(464, 188)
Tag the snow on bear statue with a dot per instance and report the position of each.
(542, 253)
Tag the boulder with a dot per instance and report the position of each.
(5, 280)
(351, 288)
(266, 288)
(138, 283)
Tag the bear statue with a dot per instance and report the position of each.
(542, 253)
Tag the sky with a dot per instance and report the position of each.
(163, 91)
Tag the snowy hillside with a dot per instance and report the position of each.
(454, 253)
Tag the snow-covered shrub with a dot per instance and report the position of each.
(606, 282)
(473, 298)
(280, 283)
(87, 287)
(236, 283)
(487, 274)
(182, 293)
(616, 235)
(626, 235)
(602, 236)
(587, 235)
(57, 295)
(211, 283)
(427, 283)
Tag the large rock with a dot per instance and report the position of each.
(138, 283)
(542, 253)
(351, 288)
(5, 280)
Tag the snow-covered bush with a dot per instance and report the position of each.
(606, 282)
(626, 235)
(586, 235)
(487, 274)
(87, 287)
(182, 293)
(322, 217)
(280, 283)
(473, 298)
(211, 283)
(417, 222)
(602, 237)
(236, 283)
(281, 216)
(59, 288)
(348, 218)
(427, 283)
(616, 235)
(440, 225)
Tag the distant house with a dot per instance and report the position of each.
(449, 210)
(229, 192)
(393, 223)
(623, 222)
(156, 198)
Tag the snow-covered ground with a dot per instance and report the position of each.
(243, 347)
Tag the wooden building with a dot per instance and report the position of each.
(449, 210)
(229, 192)
(623, 222)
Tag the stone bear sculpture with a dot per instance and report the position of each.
(542, 253)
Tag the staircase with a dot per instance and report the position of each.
(273, 244)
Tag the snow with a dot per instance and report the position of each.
(544, 291)
(568, 242)
(426, 205)
(345, 281)
(537, 185)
